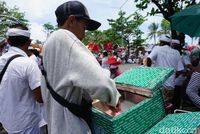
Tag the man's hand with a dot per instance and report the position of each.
(116, 110)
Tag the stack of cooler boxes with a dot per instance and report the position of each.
(141, 82)
(143, 115)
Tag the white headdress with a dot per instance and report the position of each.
(18, 32)
(164, 38)
(175, 41)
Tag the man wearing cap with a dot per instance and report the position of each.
(72, 71)
(20, 86)
(165, 56)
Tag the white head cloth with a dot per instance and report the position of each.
(164, 38)
(18, 32)
(175, 41)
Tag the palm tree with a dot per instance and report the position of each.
(153, 30)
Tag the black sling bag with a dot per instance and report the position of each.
(82, 110)
(6, 66)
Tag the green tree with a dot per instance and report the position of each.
(102, 37)
(153, 31)
(49, 28)
(167, 8)
(93, 36)
(127, 28)
(9, 16)
(165, 27)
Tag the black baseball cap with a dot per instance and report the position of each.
(77, 9)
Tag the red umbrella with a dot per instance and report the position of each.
(108, 46)
(94, 47)
(113, 61)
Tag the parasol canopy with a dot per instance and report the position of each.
(187, 21)
(94, 47)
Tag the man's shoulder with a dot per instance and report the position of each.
(24, 61)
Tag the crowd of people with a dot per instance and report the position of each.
(181, 86)
(54, 92)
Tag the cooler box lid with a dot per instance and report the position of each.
(143, 80)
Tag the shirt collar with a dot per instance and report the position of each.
(17, 50)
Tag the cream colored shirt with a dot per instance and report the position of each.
(72, 70)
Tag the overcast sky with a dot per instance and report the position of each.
(39, 12)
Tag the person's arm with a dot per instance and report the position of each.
(34, 80)
(193, 89)
(152, 56)
(37, 94)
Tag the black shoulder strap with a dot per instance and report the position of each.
(83, 110)
(55, 95)
(6, 66)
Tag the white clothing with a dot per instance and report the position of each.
(165, 56)
(33, 57)
(193, 89)
(32, 130)
(181, 78)
(42, 110)
(36, 59)
(104, 63)
(18, 108)
(72, 70)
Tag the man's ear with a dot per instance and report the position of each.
(71, 19)
(29, 42)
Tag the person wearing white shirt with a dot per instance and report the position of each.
(104, 61)
(73, 72)
(165, 56)
(179, 90)
(20, 86)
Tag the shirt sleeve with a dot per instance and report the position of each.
(153, 54)
(193, 89)
(180, 65)
(33, 74)
(86, 73)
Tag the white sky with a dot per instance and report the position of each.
(39, 12)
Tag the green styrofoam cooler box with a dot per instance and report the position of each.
(182, 123)
(144, 114)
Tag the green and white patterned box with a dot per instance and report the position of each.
(144, 115)
(182, 123)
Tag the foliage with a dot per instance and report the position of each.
(127, 28)
(124, 31)
(49, 28)
(9, 16)
(101, 37)
(153, 31)
(165, 27)
(167, 8)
